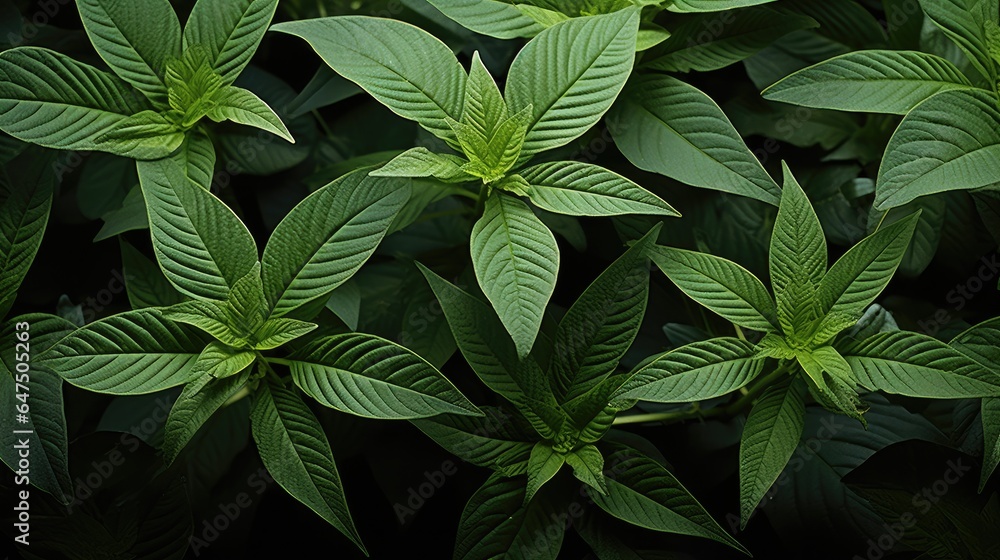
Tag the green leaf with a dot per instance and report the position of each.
(668, 127)
(926, 236)
(588, 467)
(326, 238)
(371, 377)
(831, 382)
(230, 31)
(720, 285)
(647, 495)
(131, 353)
(489, 350)
(583, 189)
(484, 107)
(495, 524)
(703, 42)
(245, 304)
(770, 436)
(243, 107)
(407, 69)
(695, 372)
(964, 147)
(144, 282)
(296, 452)
(212, 317)
(570, 74)
(144, 135)
(26, 194)
(198, 401)
(962, 21)
(201, 245)
(543, 464)
(279, 331)
(860, 275)
(599, 328)
(516, 259)
(197, 156)
(49, 99)
(489, 17)
(491, 157)
(48, 440)
(221, 361)
(991, 439)
(917, 365)
(871, 81)
(421, 162)
(496, 440)
(136, 39)
(712, 5)
(797, 261)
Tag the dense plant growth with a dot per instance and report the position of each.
(459, 223)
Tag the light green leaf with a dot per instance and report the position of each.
(797, 260)
(144, 135)
(201, 245)
(243, 107)
(588, 467)
(542, 16)
(371, 377)
(144, 281)
(926, 236)
(668, 127)
(599, 328)
(212, 317)
(489, 17)
(484, 107)
(407, 69)
(516, 259)
(583, 189)
(136, 39)
(831, 382)
(695, 372)
(48, 440)
(496, 525)
(964, 148)
(871, 81)
(220, 361)
(704, 42)
(860, 275)
(570, 74)
(712, 5)
(230, 31)
(198, 401)
(720, 285)
(917, 365)
(543, 464)
(26, 192)
(770, 436)
(647, 495)
(962, 21)
(296, 452)
(127, 354)
(421, 162)
(498, 440)
(279, 331)
(49, 99)
(326, 238)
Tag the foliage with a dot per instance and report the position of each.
(452, 224)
